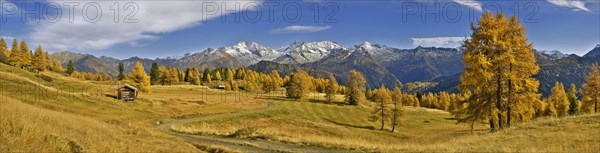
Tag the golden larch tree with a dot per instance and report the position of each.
(218, 76)
(4, 51)
(559, 100)
(230, 75)
(138, 77)
(299, 85)
(591, 90)
(397, 108)
(331, 88)
(356, 88)
(57, 67)
(39, 60)
(16, 57)
(499, 68)
(26, 58)
(277, 77)
(382, 110)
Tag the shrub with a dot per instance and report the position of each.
(45, 77)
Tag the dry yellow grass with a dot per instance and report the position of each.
(78, 116)
(66, 113)
(26, 128)
(183, 101)
(423, 130)
(569, 134)
(32, 120)
(332, 126)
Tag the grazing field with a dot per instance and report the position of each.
(334, 126)
(70, 115)
(42, 116)
(570, 134)
(185, 101)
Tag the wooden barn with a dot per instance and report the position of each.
(126, 92)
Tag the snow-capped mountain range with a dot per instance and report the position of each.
(248, 53)
(379, 63)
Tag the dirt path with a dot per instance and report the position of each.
(244, 145)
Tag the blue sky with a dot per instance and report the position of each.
(173, 28)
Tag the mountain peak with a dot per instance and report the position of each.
(594, 52)
(245, 44)
(553, 54)
(365, 45)
(369, 46)
(314, 45)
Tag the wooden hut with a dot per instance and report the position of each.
(126, 92)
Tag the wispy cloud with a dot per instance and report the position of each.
(473, 4)
(470, 3)
(153, 18)
(449, 42)
(576, 5)
(301, 29)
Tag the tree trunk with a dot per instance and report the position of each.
(492, 125)
(508, 117)
(498, 100)
(596, 105)
(382, 115)
(393, 127)
(509, 99)
(394, 116)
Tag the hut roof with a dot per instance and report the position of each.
(127, 86)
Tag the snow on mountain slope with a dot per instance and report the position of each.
(307, 52)
(594, 52)
(555, 54)
(382, 53)
(248, 53)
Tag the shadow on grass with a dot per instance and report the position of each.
(278, 98)
(110, 96)
(349, 125)
(451, 118)
(281, 98)
(329, 103)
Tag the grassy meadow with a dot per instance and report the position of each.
(70, 115)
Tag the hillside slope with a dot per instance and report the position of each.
(63, 115)
(569, 134)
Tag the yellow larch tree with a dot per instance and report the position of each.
(356, 88)
(499, 68)
(591, 90)
(558, 100)
(138, 77)
(331, 88)
(382, 110)
(39, 60)
(397, 108)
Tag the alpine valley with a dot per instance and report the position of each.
(424, 69)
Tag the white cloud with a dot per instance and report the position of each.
(300, 29)
(473, 4)
(448, 42)
(577, 5)
(153, 17)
